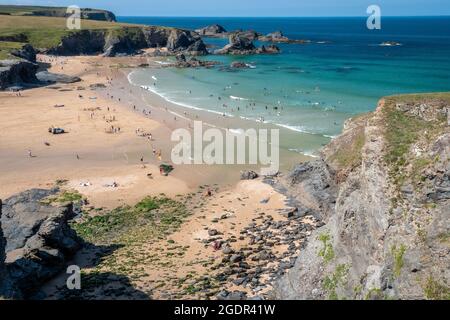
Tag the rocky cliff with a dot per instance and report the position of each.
(39, 241)
(129, 40)
(383, 191)
(6, 288)
(17, 73)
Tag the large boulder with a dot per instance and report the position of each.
(17, 73)
(39, 240)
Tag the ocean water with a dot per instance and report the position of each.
(310, 88)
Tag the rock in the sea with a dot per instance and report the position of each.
(248, 175)
(186, 41)
(239, 65)
(39, 240)
(211, 31)
(242, 44)
(17, 73)
(27, 52)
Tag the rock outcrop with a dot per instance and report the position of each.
(192, 62)
(130, 40)
(241, 44)
(17, 73)
(39, 241)
(382, 191)
(214, 30)
(279, 37)
(27, 52)
(6, 288)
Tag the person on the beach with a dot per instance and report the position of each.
(30, 155)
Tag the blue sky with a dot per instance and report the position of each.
(254, 7)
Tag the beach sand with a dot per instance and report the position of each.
(111, 168)
(88, 156)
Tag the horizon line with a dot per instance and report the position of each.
(181, 16)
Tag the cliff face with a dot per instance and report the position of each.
(383, 191)
(39, 242)
(3, 274)
(17, 72)
(129, 40)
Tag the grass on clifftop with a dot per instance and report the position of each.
(44, 32)
(403, 130)
(6, 47)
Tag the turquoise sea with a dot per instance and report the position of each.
(312, 88)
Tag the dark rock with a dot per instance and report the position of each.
(17, 73)
(47, 77)
(7, 290)
(239, 65)
(233, 296)
(186, 41)
(248, 175)
(212, 232)
(227, 250)
(39, 240)
(240, 281)
(211, 31)
(235, 258)
(129, 40)
(241, 43)
(27, 52)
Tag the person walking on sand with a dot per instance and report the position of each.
(30, 155)
(78, 157)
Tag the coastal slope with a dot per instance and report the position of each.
(86, 13)
(382, 189)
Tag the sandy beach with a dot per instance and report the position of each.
(108, 124)
(116, 136)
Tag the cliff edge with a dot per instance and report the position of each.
(382, 189)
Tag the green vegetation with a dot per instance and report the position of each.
(332, 282)
(444, 238)
(402, 130)
(46, 32)
(6, 47)
(398, 253)
(63, 197)
(375, 294)
(349, 154)
(15, 10)
(153, 217)
(433, 290)
(327, 252)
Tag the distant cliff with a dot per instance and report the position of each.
(382, 189)
(86, 13)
